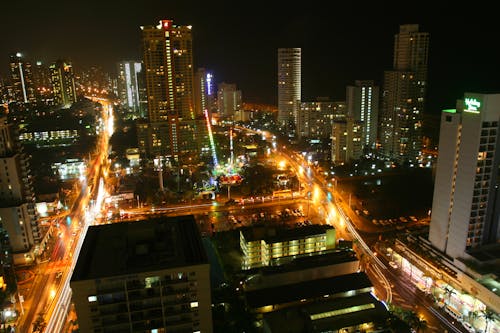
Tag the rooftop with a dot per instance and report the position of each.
(272, 234)
(134, 247)
(307, 290)
(328, 315)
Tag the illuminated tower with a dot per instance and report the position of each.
(63, 83)
(289, 86)
(172, 128)
(22, 79)
(17, 199)
(204, 92)
(130, 84)
(228, 100)
(362, 104)
(466, 201)
(404, 95)
(168, 62)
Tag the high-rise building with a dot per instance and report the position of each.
(17, 198)
(289, 86)
(346, 140)
(466, 205)
(404, 96)
(228, 100)
(315, 118)
(168, 62)
(63, 83)
(144, 276)
(205, 96)
(168, 68)
(131, 86)
(22, 79)
(41, 82)
(362, 105)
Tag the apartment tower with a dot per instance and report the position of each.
(404, 96)
(143, 276)
(466, 203)
(17, 199)
(362, 105)
(289, 86)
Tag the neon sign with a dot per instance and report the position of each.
(472, 105)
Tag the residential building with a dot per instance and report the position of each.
(362, 104)
(347, 137)
(41, 83)
(262, 246)
(315, 118)
(228, 100)
(63, 83)
(17, 198)
(168, 68)
(150, 275)
(403, 96)
(131, 88)
(465, 208)
(21, 75)
(205, 95)
(289, 86)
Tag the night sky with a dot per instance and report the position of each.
(238, 40)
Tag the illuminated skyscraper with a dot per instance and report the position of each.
(168, 62)
(205, 94)
(22, 79)
(172, 128)
(362, 105)
(130, 86)
(466, 202)
(404, 95)
(228, 100)
(289, 86)
(17, 198)
(63, 83)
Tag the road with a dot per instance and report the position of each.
(48, 299)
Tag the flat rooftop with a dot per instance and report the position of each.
(273, 234)
(328, 315)
(288, 293)
(141, 246)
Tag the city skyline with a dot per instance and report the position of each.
(339, 46)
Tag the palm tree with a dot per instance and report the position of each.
(449, 292)
(488, 316)
(420, 325)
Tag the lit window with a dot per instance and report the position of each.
(194, 304)
(92, 299)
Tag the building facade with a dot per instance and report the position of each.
(466, 205)
(23, 90)
(131, 89)
(404, 94)
(160, 283)
(314, 119)
(289, 86)
(17, 198)
(228, 100)
(362, 104)
(63, 83)
(263, 246)
(347, 143)
(168, 68)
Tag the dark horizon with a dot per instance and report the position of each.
(239, 45)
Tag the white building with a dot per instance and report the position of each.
(289, 85)
(466, 205)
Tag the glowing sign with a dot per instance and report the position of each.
(166, 24)
(209, 84)
(472, 105)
